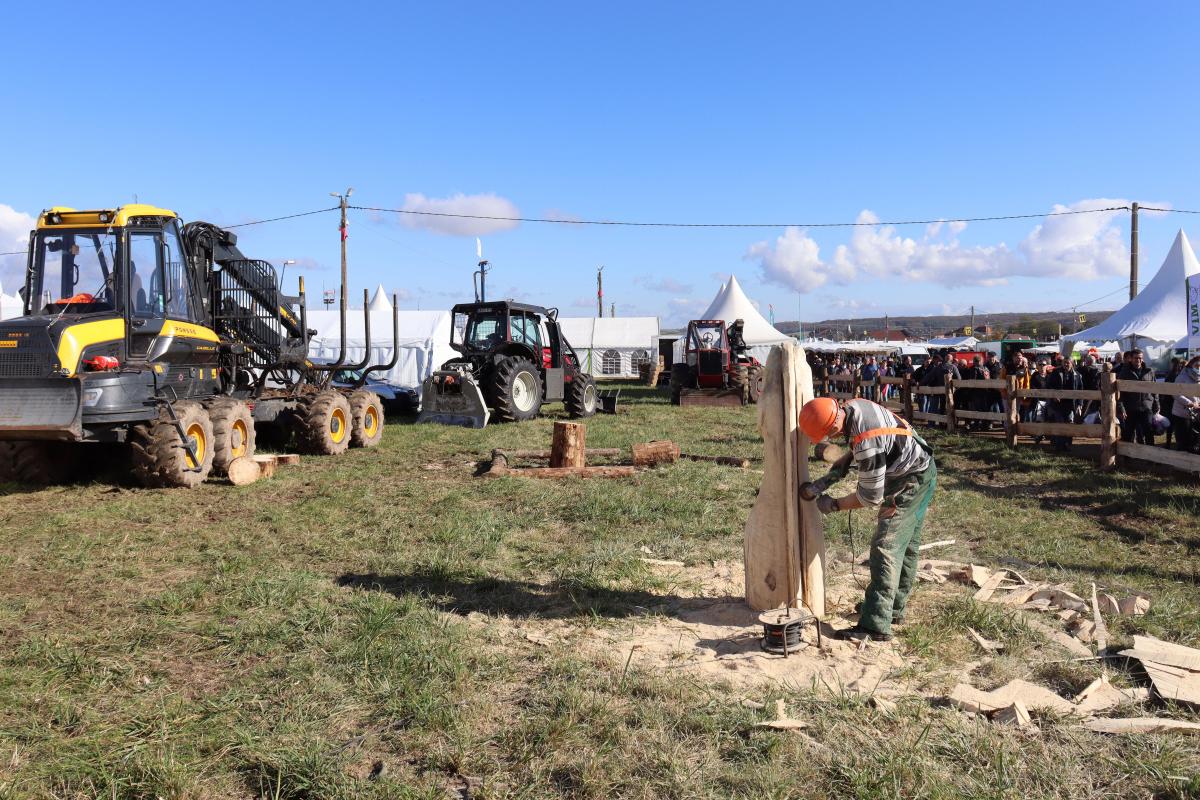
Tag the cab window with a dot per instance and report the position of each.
(146, 290)
(524, 329)
(181, 300)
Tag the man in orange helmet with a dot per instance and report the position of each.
(897, 474)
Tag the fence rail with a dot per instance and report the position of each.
(1106, 399)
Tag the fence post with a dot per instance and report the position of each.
(856, 386)
(1012, 411)
(951, 423)
(1109, 435)
(906, 398)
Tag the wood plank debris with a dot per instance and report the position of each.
(1174, 669)
(1032, 696)
(1143, 725)
(940, 543)
(1099, 631)
(1101, 695)
(1169, 653)
(986, 644)
(989, 587)
(782, 721)
(1015, 714)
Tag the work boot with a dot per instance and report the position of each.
(857, 634)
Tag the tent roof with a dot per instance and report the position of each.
(600, 332)
(731, 303)
(414, 326)
(1159, 312)
(954, 341)
(380, 301)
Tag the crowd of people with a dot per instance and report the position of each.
(1142, 416)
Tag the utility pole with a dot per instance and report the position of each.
(1133, 253)
(972, 320)
(481, 272)
(612, 309)
(343, 201)
(600, 291)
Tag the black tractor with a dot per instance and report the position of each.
(513, 358)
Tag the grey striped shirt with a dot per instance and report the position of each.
(880, 457)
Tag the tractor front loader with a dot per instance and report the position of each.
(141, 331)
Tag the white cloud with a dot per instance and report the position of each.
(14, 238)
(471, 205)
(1080, 246)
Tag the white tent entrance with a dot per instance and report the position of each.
(611, 347)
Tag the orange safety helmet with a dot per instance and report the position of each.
(820, 417)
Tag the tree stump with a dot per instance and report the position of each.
(649, 454)
(567, 448)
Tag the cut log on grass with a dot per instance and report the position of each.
(729, 461)
(266, 465)
(1143, 725)
(242, 471)
(563, 472)
(610, 452)
(287, 459)
(651, 454)
(827, 452)
(567, 445)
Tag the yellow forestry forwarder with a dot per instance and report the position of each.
(143, 331)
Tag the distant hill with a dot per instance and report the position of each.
(1045, 322)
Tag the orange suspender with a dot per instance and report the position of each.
(871, 434)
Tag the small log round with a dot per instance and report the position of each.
(242, 471)
(266, 465)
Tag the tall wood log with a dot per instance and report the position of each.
(590, 451)
(1012, 411)
(567, 445)
(906, 388)
(1109, 435)
(563, 472)
(649, 454)
(785, 539)
(951, 423)
(729, 461)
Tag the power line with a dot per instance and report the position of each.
(736, 224)
(278, 219)
(1168, 210)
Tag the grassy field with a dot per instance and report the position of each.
(335, 632)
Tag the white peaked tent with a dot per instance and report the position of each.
(611, 347)
(1159, 312)
(424, 341)
(10, 305)
(380, 301)
(732, 303)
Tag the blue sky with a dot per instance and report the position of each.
(697, 112)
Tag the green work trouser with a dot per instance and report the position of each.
(895, 548)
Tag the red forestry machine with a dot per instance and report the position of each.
(716, 370)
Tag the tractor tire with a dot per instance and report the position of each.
(366, 419)
(323, 424)
(581, 397)
(754, 385)
(516, 390)
(233, 432)
(39, 463)
(159, 458)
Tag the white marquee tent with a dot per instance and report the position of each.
(1159, 312)
(424, 341)
(611, 347)
(730, 304)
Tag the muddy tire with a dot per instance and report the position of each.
(754, 384)
(366, 419)
(516, 390)
(233, 432)
(581, 399)
(39, 463)
(158, 455)
(323, 424)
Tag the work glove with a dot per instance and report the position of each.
(826, 504)
(809, 491)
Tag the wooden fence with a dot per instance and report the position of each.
(1105, 399)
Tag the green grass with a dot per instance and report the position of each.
(308, 636)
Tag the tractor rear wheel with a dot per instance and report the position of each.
(323, 424)
(516, 390)
(581, 397)
(39, 463)
(233, 432)
(366, 415)
(159, 457)
(754, 385)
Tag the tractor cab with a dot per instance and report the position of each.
(708, 352)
